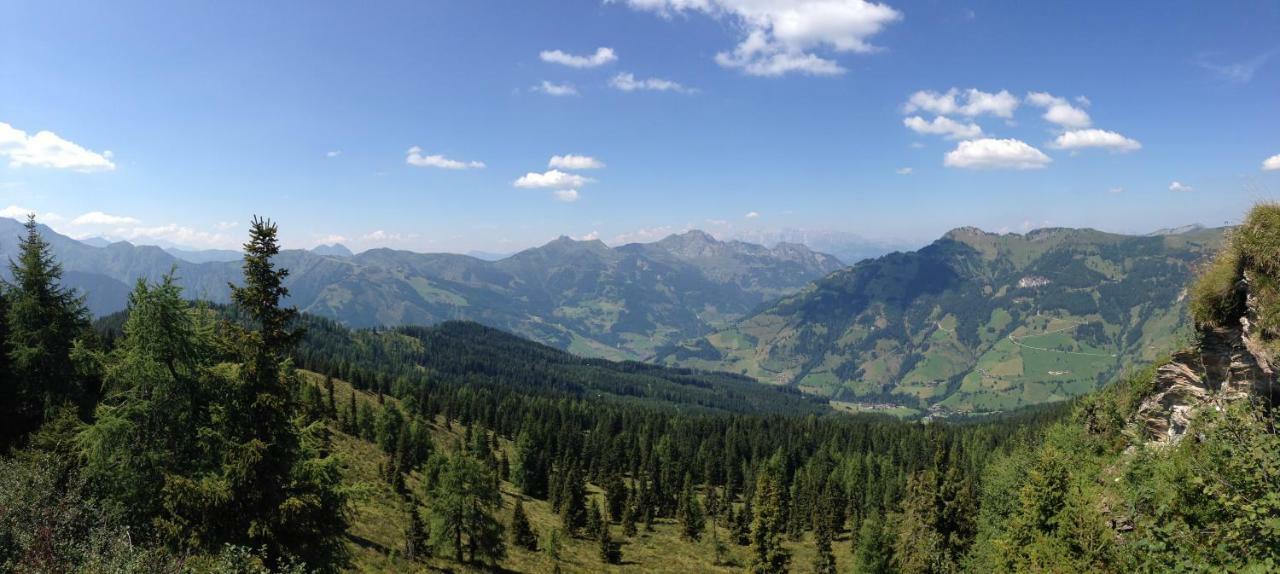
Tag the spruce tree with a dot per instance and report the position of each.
(689, 514)
(873, 554)
(609, 552)
(768, 554)
(522, 534)
(573, 504)
(43, 320)
(416, 536)
(824, 562)
(267, 486)
(594, 520)
(462, 501)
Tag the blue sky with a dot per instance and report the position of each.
(410, 124)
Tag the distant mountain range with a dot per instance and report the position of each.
(973, 322)
(582, 296)
(848, 247)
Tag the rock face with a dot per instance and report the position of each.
(1228, 364)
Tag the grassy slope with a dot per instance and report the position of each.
(376, 537)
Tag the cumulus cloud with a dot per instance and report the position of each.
(552, 179)
(16, 212)
(943, 126)
(601, 57)
(571, 161)
(594, 235)
(1272, 163)
(1178, 186)
(992, 153)
(1080, 139)
(1060, 111)
(565, 195)
(781, 37)
(100, 218)
(752, 215)
(627, 82)
(47, 149)
(903, 171)
(976, 103)
(414, 157)
(553, 89)
(331, 239)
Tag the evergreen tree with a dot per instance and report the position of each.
(416, 536)
(265, 485)
(462, 501)
(824, 562)
(689, 514)
(609, 552)
(740, 530)
(629, 519)
(768, 554)
(43, 320)
(522, 534)
(573, 504)
(328, 391)
(872, 554)
(594, 520)
(616, 495)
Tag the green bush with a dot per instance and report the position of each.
(1216, 300)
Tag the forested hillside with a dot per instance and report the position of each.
(975, 322)
(182, 437)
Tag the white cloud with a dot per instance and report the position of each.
(100, 218)
(1060, 111)
(565, 195)
(224, 225)
(996, 154)
(1079, 139)
(46, 149)
(943, 126)
(552, 179)
(571, 161)
(601, 57)
(977, 102)
(176, 234)
(382, 236)
(414, 157)
(15, 212)
(903, 171)
(782, 36)
(552, 89)
(333, 153)
(1180, 187)
(627, 82)
(752, 215)
(1272, 163)
(1116, 189)
(594, 235)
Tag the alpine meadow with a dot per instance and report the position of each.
(639, 286)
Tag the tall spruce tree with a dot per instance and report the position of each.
(266, 485)
(43, 319)
(768, 554)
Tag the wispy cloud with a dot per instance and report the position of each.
(571, 161)
(1237, 72)
(415, 158)
(627, 82)
(601, 57)
(100, 218)
(553, 89)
